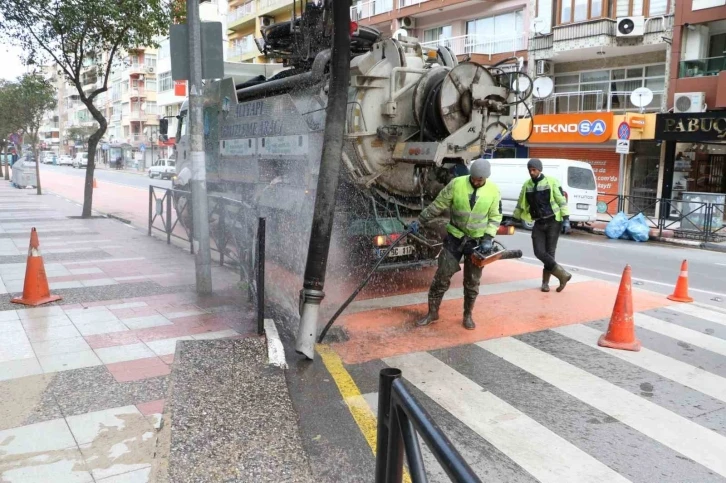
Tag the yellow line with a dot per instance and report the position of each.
(357, 405)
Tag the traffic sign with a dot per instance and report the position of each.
(142, 148)
(623, 131)
(622, 146)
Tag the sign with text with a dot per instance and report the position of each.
(607, 174)
(691, 127)
(622, 146)
(595, 127)
(180, 88)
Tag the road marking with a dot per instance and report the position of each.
(699, 312)
(618, 275)
(673, 369)
(545, 455)
(702, 445)
(688, 336)
(357, 405)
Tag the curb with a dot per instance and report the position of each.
(275, 350)
(673, 241)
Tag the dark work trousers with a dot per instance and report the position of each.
(449, 261)
(545, 234)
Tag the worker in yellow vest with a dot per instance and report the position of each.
(475, 210)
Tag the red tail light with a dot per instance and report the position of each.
(383, 240)
(353, 27)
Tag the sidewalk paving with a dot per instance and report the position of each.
(83, 381)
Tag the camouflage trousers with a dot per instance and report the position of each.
(449, 264)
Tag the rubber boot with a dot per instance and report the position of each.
(468, 307)
(432, 315)
(546, 274)
(562, 275)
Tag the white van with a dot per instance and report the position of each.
(576, 178)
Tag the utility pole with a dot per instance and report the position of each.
(312, 293)
(200, 211)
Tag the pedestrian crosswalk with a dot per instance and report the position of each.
(553, 406)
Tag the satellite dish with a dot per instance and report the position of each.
(521, 84)
(641, 97)
(542, 87)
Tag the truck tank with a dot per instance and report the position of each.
(416, 118)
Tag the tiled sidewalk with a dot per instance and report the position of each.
(83, 381)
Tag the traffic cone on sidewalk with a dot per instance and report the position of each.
(35, 289)
(621, 331)
(681, 292)
(95, 185)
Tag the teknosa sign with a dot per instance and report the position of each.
(596, 127)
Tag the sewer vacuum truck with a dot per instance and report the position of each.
(416, 118)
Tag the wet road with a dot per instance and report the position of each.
(129, 178)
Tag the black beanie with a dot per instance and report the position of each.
(534, 163)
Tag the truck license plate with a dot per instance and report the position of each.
(397, 252)
(582, 206)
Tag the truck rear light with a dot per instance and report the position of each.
(380, 240)
(353, 27)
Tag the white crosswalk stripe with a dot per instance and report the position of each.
(675, 445)
(700, 312)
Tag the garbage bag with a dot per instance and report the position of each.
(638, 228)
(617, 226)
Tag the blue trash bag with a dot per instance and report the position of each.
(638, 228)
(617, 226)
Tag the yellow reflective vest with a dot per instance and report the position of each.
(483, 219)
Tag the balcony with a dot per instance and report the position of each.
(371, 8)
(240, 15)
(243, 50)
(267, 6)
(594, 101)
(137, 92)
(709, 66)
(479, 44)
(602, 32)
(409, 3)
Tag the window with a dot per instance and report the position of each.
(151, 108)
(125, 107)
(438, 34)
(150, 60)
(151, 85)
(125, 87)
(570, 11)
(501, 33)
(607, 89)
(648, 8)
(165, 82)
(164, 49)
(580, 178)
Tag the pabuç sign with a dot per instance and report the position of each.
(581, 128)
(691, 127)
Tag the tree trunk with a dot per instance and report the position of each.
(37, 164)
(7, 162)
(93, 141)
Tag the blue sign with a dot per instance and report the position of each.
(623, 131)
(596, 127)
(142, 147)
(104, 147)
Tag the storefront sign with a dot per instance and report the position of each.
(636, 122)
(691, 127)
(180, 88)
(582, 128)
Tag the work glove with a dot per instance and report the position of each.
(566, 227)
(414, 226)
(486, 245)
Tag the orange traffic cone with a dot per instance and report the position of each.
(95, 185)
(35, 290)
(621, 331)
(681, 292)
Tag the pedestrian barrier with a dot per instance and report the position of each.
(686, 219)
(680, 294)
(400, 419)
(621, 330)
(35, 288)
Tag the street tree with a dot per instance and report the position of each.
(36, 96)
(9, 122)
(84, 39)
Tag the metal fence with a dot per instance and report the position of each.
(233, 227)
(694, 220)
(401, 418)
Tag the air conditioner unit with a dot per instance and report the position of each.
(407, 22)
(150, 70)
(544, 67)
(689, 102)
(266, 21)
(630, 26)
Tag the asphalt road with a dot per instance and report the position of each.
(655, 266)
(132, 179)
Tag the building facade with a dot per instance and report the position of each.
(245, 20)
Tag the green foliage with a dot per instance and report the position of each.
(9, 104)
(36, 96)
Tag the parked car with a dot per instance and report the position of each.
(162, 168)
(47, 157)
(81, 160)
(65, 160)
(576, 179)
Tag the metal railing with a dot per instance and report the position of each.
(695, 220)
(244, 46)
(480, 44)
(702, 67)
(593, 101)
(370, 8)
(409, 3)
(240, 12)
(401, 418)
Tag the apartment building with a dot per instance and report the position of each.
(694, 128)
(245, 19)
(49, 135)
(484, 32)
